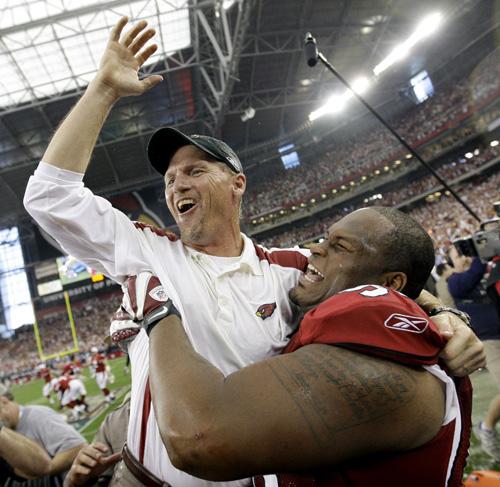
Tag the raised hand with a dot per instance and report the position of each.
(120, 63)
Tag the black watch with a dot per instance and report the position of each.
(442, 309)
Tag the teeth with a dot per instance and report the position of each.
(313, 270)
(185, 201)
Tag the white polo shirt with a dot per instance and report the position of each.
(235, 310)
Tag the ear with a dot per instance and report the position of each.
(395, 280)
(239, 184)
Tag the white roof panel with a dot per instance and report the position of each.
(61, 54)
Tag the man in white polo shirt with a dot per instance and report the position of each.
(232, 294)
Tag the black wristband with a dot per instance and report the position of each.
(167, 309)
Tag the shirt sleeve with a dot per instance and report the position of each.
(461, 284)
(85, 225)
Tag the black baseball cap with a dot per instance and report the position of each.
(165, 142)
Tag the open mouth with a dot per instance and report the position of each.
(313, 275)
(184, 205)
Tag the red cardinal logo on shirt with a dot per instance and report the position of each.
(413, 324)
(266, 310)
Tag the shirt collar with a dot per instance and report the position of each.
(249, 256)
(247, 260)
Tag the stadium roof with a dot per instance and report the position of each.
(219, 58)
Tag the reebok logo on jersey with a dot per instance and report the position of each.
(266, 310)
(413, 324)
(158, 293)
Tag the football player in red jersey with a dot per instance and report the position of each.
(359, 399)
(71, 393)
(45, 373)
(98, 365)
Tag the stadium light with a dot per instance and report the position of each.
(337, 103)
(426, 27)
(494, 143)
(361, 85)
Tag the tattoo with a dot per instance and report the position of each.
(336, 389)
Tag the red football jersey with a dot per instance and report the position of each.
(98, 363)
(68, 369)
(381, 322)
(62, 384)
(45, 374)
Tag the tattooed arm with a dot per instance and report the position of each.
(317, 406)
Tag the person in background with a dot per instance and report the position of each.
(466, 288)
(99, 463)
(21, 457)
(72, 393)
(444, 271)
(48, 429)
(98, 365)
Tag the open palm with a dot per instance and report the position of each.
(120, 63)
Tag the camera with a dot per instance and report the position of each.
(485, 243)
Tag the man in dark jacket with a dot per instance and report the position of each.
(466, 288)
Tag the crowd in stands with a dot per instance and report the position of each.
(91, 319)
(451, 115)
(443, 217)
(448, 172)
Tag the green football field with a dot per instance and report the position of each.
(31, 393)
(484, 391)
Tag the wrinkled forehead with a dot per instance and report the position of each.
(191, 156)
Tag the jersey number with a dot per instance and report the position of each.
(370, 291)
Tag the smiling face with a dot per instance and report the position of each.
(347, 258)
(203, 196)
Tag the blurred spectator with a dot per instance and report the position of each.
(21, 457)
(444, 271)
(46, 427)
(105, 451)
(465, 287)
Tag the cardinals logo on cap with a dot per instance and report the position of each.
(266, 310)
